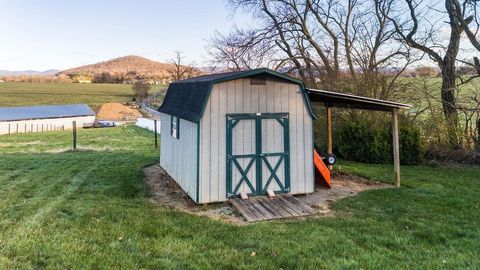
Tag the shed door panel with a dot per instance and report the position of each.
(273, 155)
(257, 153)
(243, 156)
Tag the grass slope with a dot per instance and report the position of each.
(27, 94)
(90, 210)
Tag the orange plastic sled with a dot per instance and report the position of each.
(322, 173)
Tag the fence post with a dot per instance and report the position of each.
(156, 135)
(74, 130)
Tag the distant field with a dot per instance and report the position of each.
(414, 92)
(25, 94)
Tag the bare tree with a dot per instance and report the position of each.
(241, 49)
(419, 31)
(337, 45)
(140, 90)
(469, 19)
(180, 70)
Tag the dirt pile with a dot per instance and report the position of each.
(117, 112)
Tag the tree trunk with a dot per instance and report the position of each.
(478, 136)
(449, 104)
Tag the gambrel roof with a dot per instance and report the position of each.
(187, 98)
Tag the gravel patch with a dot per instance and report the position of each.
(166, 192)
(343, 185)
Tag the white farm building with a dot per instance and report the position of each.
(44, 118)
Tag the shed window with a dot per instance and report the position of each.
(175, 127)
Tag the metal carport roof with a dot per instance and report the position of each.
(334, 99)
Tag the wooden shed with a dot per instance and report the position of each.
(248, 131)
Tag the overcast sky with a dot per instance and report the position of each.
(60, 34)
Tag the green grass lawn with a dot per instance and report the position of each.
(26, 94)
(90, 210)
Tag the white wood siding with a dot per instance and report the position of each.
(239, 96)
(42, 125)
(179, 156)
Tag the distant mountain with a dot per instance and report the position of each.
(122, 66)
(28, 72)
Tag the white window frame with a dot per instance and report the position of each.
(175, 127)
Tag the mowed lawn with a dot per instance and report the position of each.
(90, 210)
(27, 94)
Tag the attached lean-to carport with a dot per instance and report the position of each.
(340, 100)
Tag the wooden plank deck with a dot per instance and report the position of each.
(265, 208)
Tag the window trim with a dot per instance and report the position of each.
(175, 127)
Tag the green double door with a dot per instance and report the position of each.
(258, 153)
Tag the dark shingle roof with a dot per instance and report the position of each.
(187, 98)
(44, 112)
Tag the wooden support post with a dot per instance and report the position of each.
(156, 134)
(329, 131)
(74, 130)
(329, 134)
(396, 147)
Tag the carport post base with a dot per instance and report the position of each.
(396, 148)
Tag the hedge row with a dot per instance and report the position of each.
(370, 142)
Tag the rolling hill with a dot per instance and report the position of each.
(123, 66)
